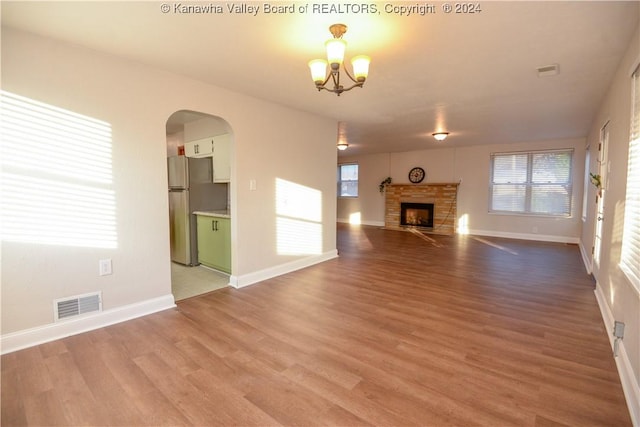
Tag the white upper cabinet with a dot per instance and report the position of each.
(219, 149)
(199, 148)
(222, 158)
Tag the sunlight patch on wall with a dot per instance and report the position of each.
(355, 218)
(298, 219)
(463, 224)
(56, 181)
(612, 291)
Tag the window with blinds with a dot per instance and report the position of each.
(537, 183)
(348, 180)
(630, 258)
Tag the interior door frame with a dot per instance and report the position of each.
(602, 162)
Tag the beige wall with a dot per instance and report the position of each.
(137, 101)
(471, 165)
(368, 207)
(621, 298)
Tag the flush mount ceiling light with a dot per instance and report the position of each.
(342, 137)
(335, 56)
(440, 136)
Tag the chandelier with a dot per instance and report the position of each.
(335, 56)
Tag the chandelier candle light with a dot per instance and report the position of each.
(335, 56)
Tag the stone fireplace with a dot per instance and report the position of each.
(432, 207)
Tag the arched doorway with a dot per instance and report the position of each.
(198, 162)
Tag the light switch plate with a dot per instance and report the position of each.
(105, 267)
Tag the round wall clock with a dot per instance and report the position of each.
(416, 175)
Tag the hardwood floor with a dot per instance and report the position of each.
(400, 330)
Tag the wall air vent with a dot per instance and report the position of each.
(548, 70)
(65, 308)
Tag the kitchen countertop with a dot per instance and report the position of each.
(219, 214)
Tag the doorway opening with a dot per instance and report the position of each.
(199, 190)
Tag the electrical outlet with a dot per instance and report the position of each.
(618, 329)
(252, 184)
(105, 267)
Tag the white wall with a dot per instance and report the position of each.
(137, 101)
(204, 128)
(618, 298)
(173, 142)
(471, 165)
(368, 207)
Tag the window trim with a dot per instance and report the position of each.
(529, 184)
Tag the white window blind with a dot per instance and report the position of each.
(536, 182)
(630, 258)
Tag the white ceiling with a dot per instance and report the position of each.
(473, 75)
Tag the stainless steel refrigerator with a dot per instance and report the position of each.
(191, 188)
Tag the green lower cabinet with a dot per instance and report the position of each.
(214, 242)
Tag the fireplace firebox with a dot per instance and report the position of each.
(416, 214)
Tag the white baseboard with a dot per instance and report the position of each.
(625, 370)
(30, 337)
(586, 259)
(41, 334)
(373, 223)
(278, 270)
(523, 236)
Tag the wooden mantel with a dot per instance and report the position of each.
(443, 195)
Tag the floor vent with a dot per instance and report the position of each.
(65, 308)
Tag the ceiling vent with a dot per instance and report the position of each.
(65, 308)
(548, 70)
